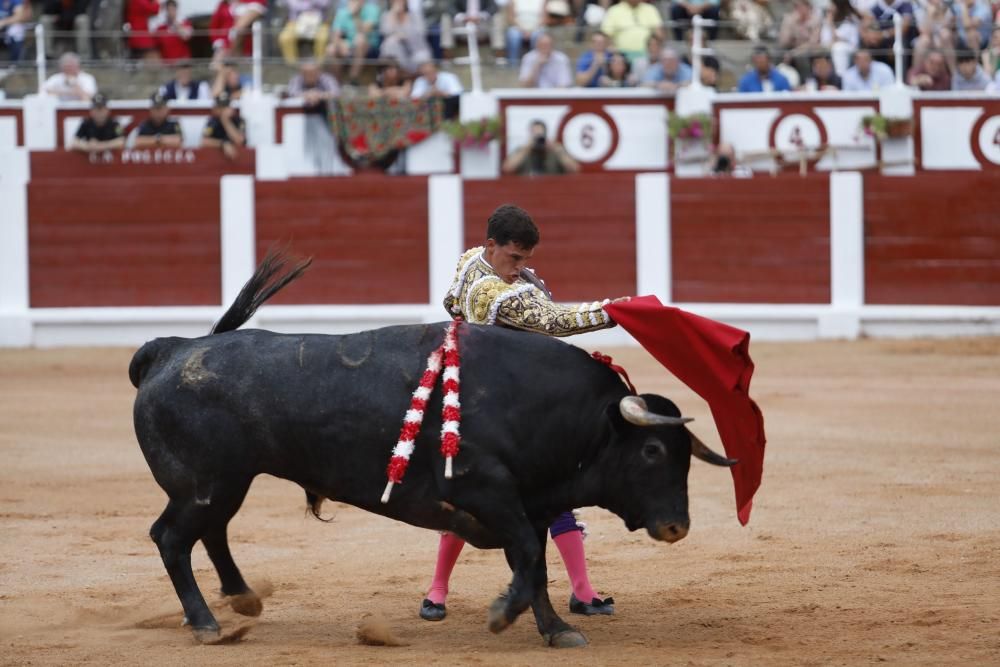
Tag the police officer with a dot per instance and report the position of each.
(158, 130)
(225, 129)
(99, 132)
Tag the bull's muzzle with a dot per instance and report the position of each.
(669, 531)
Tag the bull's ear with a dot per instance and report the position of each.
(614, 415)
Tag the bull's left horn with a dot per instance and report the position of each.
(634, 411)
(700, 450)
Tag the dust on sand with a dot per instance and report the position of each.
(875, 538)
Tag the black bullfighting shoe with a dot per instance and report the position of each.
(430, 611)
(596, 607)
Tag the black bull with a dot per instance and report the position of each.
(545, 429)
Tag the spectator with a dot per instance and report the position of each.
(669, 74)
(71, 84)
(158, 130)
(438, 18)
(753, 18)
(823, 78)
(229, 80)
(432, 83)
(880, 33)
(13, 15)
(315, 87)
(354, 35)
(173, 35)
(619, 73)
(390, 82)
(307, 21)
(629, 24)
(685, 10)
(141, 42)
(799, 35)
(540, 156)
(484, 18)
(403, 36)
(66, 16)
(968, 74)
(99, 132)
(525, 20)
(225, 129)
(936, 27)
(544, 67)
(972, 24)
(710, 72)
(991, 56)
(592, 64)
(762, 77)
(230, 23)
(184, 87)
(931, 74)
(652, 56)
(867, 75)
(723, 162)
(841, 33)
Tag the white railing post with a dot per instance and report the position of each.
(472, 18)
(897, 46)
(696, 50)
(40, 55)
(258, 50)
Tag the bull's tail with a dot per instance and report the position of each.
(269, 278)
(314, 502)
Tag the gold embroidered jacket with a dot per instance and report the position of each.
(479, 295)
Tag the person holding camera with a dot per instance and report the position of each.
(540, 156)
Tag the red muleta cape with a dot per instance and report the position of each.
(713, 359)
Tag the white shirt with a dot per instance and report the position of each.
(59, 85)
(446, 83)
(879, 76)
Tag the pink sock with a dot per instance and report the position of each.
(570, 545)
(448, 550)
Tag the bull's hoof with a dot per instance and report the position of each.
(207, 635)
(497, 618)
(246, 604)
(567, 639)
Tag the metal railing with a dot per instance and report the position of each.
(267, 67)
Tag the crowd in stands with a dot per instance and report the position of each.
(819, 45)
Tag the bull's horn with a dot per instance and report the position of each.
(634, 411)
(700, 450)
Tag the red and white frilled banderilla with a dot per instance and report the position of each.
(446, 355)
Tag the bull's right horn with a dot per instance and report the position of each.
(635, 411)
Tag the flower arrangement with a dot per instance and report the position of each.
(697, 126)
(884, 127)
(474, 132)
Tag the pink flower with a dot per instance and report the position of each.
(695, 131)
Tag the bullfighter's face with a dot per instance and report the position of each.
(507, 260)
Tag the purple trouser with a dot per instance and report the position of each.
(564, 523)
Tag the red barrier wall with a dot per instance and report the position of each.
(587, 225)
(759, 240)
(367, 235)
(933, 239)
(146, 242)
(127, 228)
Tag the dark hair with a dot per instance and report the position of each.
(965, 56)
(760, 50)
(512, 224)
(711, 62)
(539, 122)
(170, 3)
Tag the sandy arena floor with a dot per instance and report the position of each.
(875, 537)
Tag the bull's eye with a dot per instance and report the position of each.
(654, 452)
